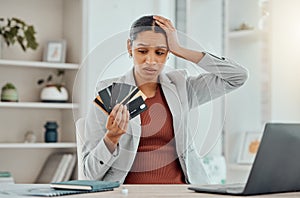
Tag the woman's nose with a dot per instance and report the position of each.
(150, 59)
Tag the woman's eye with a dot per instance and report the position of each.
(142, 51)
(160, 53)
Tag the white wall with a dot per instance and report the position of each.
(205, 32)
(285, 60)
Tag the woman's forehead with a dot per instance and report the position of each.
(150, 39)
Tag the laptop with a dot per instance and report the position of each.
(276, 167)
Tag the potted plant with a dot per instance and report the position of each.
(14, 30)
(54, 89)
(9, 93)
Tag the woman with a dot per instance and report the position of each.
(156, 146)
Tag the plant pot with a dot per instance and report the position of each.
(52, 93)
(9, 93)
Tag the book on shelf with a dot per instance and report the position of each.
(6, 177)
(57, 168)
(87, 185)
(70, 169)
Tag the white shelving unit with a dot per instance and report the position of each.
(242, 34)
(246, 108)
(38, 145)
(38, 64)
(53, 20)
(39, 105)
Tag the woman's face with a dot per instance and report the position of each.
(149, 51)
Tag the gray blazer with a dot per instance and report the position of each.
(182, 93)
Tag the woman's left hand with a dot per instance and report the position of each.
(173, 43)
(171, 32)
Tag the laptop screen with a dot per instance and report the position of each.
(277, 163)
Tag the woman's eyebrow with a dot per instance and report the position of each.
(147, 45)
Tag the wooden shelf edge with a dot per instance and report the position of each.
(39, 145)
(39, 105)
(39, 64)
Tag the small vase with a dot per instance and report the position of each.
(51, 132)
(52, 93)
(9, 94)
(30, 137)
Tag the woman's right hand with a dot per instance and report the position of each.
(117, 123)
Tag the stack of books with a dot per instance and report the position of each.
(57, 168)
(6, 177)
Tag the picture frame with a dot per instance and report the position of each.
(249, 147)
(55, 51)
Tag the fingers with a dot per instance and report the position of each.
(124, 118)
(118, 119)
(164, 22)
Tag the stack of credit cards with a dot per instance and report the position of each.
(121, 93)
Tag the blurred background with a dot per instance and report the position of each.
(261, 35)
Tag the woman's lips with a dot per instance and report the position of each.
(150, 70)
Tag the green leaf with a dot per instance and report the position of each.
(49, 78)
(58, 87)
(60, 72)
(8, 86)
(40, 81)
(19, 21)
(17, 30)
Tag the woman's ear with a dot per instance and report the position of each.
(129, 47)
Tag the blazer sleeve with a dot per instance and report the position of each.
(97, 159)
(222, 76)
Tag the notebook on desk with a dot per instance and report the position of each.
(275, 168)
(45, 190)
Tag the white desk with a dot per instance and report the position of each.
(138, 191)
(177, 191)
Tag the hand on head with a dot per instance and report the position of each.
(171, 32)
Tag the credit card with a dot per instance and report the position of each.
(99, 103)
(136, 106)
(119, 92)
(105, 95)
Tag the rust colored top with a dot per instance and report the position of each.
(156, 161)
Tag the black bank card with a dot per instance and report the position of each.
(121, 93)
(105, 95)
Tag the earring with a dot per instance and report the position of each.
(130, 55)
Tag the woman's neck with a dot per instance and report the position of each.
(149, 89)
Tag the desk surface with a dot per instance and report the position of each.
(178, 191)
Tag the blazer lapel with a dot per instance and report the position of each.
(172, 97)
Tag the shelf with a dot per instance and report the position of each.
(243, 33)
(39, 145)
(39, 105)
(38, 64)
